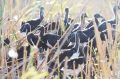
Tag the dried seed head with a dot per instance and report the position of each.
(12, 53)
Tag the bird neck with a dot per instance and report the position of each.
(82, 20)
(115, 13)
(96, 21)
(41, 12)
(66, 17)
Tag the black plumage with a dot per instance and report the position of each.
(20, 51)
(32, 24)
(45, 41)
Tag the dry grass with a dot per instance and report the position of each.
(11, 16)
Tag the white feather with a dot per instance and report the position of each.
(49, 45)
(70, 44)
(75, 55)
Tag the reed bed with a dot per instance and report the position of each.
(13, 12)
